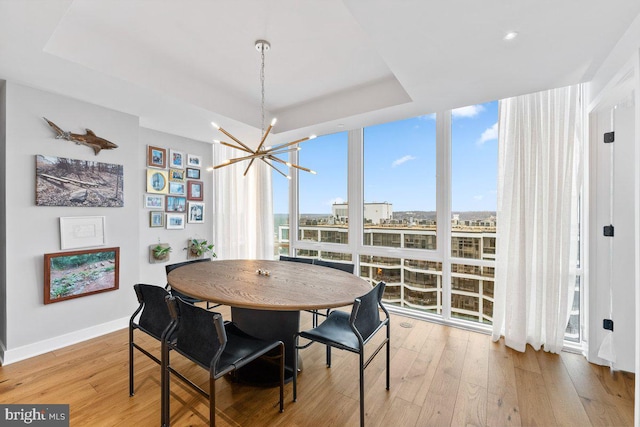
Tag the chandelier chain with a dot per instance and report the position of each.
(262, 87)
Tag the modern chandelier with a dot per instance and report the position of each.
(266, 154)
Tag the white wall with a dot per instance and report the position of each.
(29, 327)
(3, 228)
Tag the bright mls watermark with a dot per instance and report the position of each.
(36, 415)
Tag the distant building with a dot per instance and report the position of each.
(374, 213)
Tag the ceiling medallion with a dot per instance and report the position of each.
(266, 154)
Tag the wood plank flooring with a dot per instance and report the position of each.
(440, 376)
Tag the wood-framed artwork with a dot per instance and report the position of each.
(176, 175)
(80, 183)
(176, 159)
(176, 188)
(194, 161)
(76, 274)
(175, 221)
(156, 157)
(195, 190)
(81, 232)
(193, 173)
(176, 204)
(195, 213)
(157, 181)
(154, 201)
(156, 219)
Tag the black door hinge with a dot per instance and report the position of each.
(608, 230)
(609, 137)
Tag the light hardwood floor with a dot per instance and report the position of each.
(440, 376)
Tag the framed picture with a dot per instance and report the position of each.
(176, 204)
(156, 219)
(193, 173)
(176, 175)
(176, 188)
(77, 274)
(195, 213)
(175, 221)
(156, 157)
(194, 190)
(153, 201)
(176, 159)
(80, 183)
(194, 161)
(157, 181)
(81, 232)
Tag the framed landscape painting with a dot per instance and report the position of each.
(76, 274)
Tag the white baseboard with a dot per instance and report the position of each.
(21, 353)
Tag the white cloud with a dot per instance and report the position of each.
(478, 197)
(470, 111)
(489, 134)
(402, 160)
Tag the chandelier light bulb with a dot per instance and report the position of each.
(289, 177)
(273, 122)
(313, 172)
(312, 136)
(215, 125)
(288, 164)
(216, 141)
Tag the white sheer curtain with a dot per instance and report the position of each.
(243, 221)
(539, 177)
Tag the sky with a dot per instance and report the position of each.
(400, 162)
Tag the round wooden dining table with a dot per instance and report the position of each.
(266, 298)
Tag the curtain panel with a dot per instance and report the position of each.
(243, 209)
(539, 181)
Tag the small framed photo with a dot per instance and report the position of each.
(81, 232)
(176, 188)
(153, 201)
(175, 221)
(176, 175)
(156, 219)
(156, 157)
(194, 190)
(176, 204)
(77, 274)
(176, 159)
(157, 182)
(193, 173)
(196, 213)
(194, 161)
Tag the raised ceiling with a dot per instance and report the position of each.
(178, 65)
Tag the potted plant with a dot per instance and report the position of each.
(197, 248)
(159, 252)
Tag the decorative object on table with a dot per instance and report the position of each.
(156, 219)
(89, 139)
(266, 154)
(157, 181)
(70, 182)
(160, 252)
(176, 175)
(195, 213)
(175, 221)
(176, 204)
(262, 272)
(194, 161)
(154, 201)
(176, 159)
(193, 173)
(194, 190)
(156, 157)
(197, 248)
(81, 232)
(176, 188)
(76, 274)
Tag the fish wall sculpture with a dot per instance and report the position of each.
(89, 139)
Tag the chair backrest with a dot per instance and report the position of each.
(171, 267)
(199, 334)
(155, 316)
(296, 259)
(344, 266)
(365, 315)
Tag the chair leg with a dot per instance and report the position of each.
(130, 361)
(282, 377)
(212, 401)
(165, 411)
(361, 388)
(328, 356)
(388, 355)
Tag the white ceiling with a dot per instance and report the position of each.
(333, 65)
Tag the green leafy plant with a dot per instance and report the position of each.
(160, 251)
(198, 248)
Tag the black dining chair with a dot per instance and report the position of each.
(202, 337)
(170, 267)
(344, 266)
(296, 259)
(151, 317)
(351, 332)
